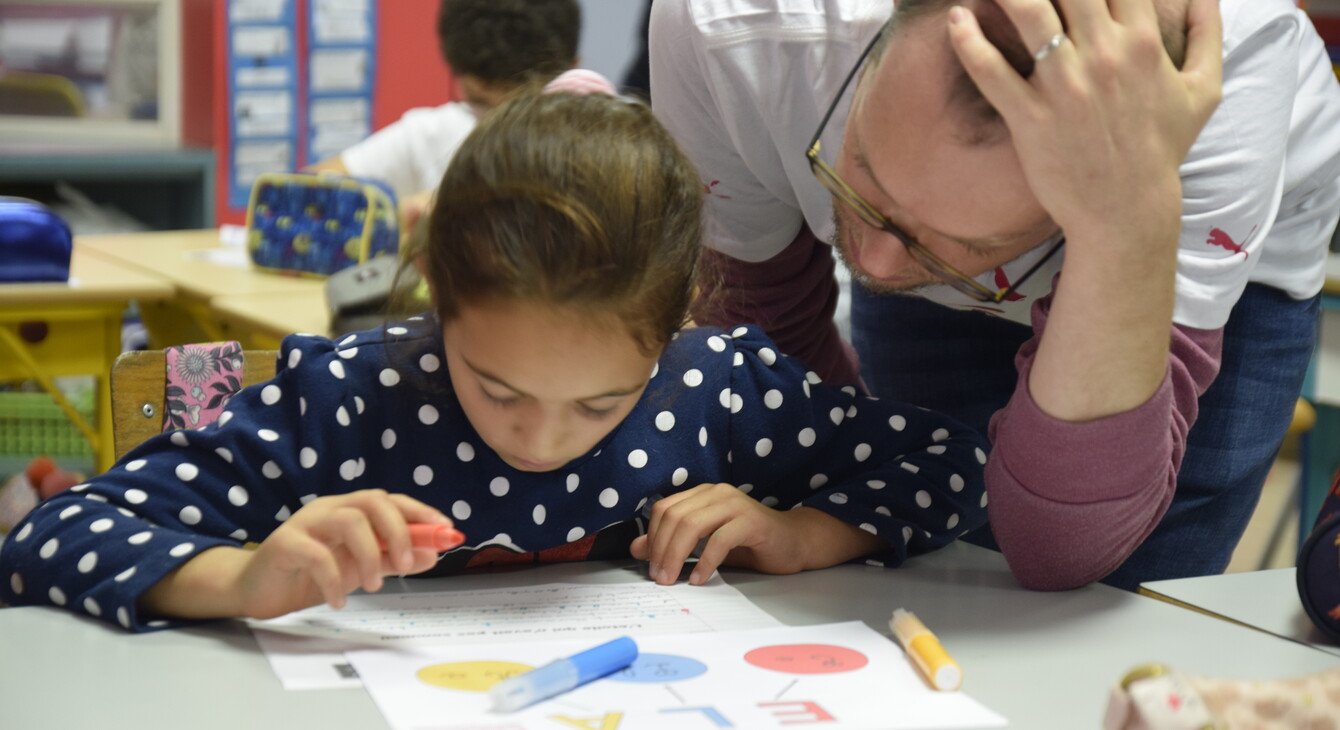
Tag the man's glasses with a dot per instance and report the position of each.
(867, 213)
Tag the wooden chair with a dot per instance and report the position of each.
(138, 393)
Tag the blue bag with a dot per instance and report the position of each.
(35, 242)
(318, 224)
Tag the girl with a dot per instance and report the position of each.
(549, 395)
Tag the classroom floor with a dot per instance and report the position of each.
(1276, 499)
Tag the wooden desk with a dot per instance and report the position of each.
(83, 334)
(1044, 660)
(203, 271)
(1265, 600)
(267, 318)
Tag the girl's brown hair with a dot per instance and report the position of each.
(577, 202)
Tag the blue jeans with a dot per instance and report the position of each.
(963, 364)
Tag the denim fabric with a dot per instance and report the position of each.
(964, 367)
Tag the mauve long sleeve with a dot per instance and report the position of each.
(1069, 502)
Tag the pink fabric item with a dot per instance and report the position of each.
(792, 296)
(580, 81)
(200, 379)
(1069, 502)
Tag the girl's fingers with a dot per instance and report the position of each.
(318, 562)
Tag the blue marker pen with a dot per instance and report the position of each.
(562, 675)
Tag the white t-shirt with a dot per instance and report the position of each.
(412, 152)
(742, 85)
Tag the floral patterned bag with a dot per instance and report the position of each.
(200, 379)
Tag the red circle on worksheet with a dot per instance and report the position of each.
(807, 658)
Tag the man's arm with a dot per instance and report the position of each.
(330, 164)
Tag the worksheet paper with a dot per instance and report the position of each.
(841, 676)
(306, 648)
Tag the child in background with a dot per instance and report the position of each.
(549, 394)
(492, 47)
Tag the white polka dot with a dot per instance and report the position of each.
(837, 498)
(499, 486)
(24, 533)
(359, 405)
(465, 452)
(818, 480)
(869, 528)
(267, 434)
(16, 583)
(190, 515)
(49, 548)
(767, 355)
(737, 360)
(57, 596)
(302, 405)
(283, 514)
(224, 454)
(763, 447)
(429, 363)
(423, 475)
(665, 420)
(92, 607)
(983, 500)
(178, 438)
(71, 511)
(702, 436)
(537, 514)
(680, 476)
(936, 449)
(953, 521)
(769, 501)
(239, 534)
(693, 377)
(608, 497)
(294, 357)
(875, 484)
(813, 378)
(88, 562)
(637, 458)
(79, 487)
(882, 510)
(940, 434)
(349, 470)
(388, 439)
(348, 354)
(125, 575)
(851, 411)
(897, 423)
(136, 496)
(724, 398)
(307, 457)
(237, 495)
(736, 403)
(805, 386)
(140, 538)
(101, 525)
(397, 331)
(572, 481)
(428, 415)
(956, 482)
(271, 470)
(913, 468)
(576, 534)
(125, 512)
(981, 455)
(745, 488)
(347, 339)
(849, 390)
(907, 534)
(337, 369)
(460, 509)
(862, 452)
(307, 498)
(271, 394)
(93, 497)
(835, 416)
(389, 377)
(342, 416)
(183, 549)
(123, 617)
(806, 437)
(739, 332)
(187, 471)
(716, 344)
(923, 498)
(773, 399)
(655, 368)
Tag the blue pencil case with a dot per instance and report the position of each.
(35, 242)
(318, 224)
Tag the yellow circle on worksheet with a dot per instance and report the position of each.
(470, 676)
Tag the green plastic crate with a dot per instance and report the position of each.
(31, 424)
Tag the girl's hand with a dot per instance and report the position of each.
(1105, 119)
(329, 548)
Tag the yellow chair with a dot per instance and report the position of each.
(38, 94)
(138, 393)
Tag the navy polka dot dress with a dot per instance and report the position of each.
(376, 410)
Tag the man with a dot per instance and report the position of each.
(971, 145)
(492, 47)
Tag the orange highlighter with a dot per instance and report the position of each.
(440, 538)
(921, 645)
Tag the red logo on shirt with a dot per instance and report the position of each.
(1218, 237)
(707, 189)
(1002, 282)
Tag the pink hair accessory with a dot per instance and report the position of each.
(580, 81)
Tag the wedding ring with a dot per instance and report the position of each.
(1046, 48)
